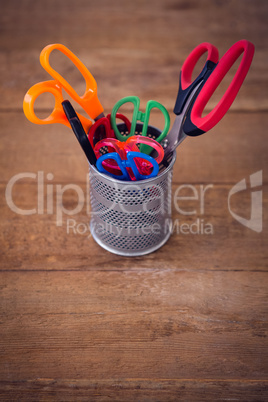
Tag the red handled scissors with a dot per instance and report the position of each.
(89, 101)
(193, 96)
(138, 166)
(102, 128)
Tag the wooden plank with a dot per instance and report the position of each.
(133, 390)
(231, 298)
(129, 49)
(140, 26)
(156, 78)
(34, 242)
(188, 322)
(232, 150)
(149, 325)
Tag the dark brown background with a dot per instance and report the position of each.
(188, 322)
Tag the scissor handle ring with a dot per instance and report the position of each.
(109, 142)
(226, 62)
(115, 156)
(189, 64)
(139, 139)
(136, 103)
(57, 115)
(123, 148)
(143, 117)
(131, 163)
(151, 104)
(89, 101)
(100, 122)
(121, 117)
(106, 123)
(128, 163)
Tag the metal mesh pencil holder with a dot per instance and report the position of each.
(131, 218)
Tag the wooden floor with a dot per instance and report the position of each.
(187, 322)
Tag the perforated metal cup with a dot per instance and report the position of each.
(131, 218)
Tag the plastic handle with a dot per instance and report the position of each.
(57, 115)
(191, 61)
(187, 85)
(123, 148)
(130, 145)
(113, 146)
(139, 139)
(89, 101)
(136, 103)
(140, 116)
(151, 105)
(118, 161)
(139, 155)
(111, 143)
(128, 163)
(194, 119)
(95, 135)
(121, 117)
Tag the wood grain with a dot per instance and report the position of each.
(232, 150)
(38, 243)
(188, 322)
(130, 49)
(58, 326)
(133, 390)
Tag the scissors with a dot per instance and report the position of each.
(95, 133)
(127, 162)
(193, 96)
(79, 131)
(89, 101)
(140, 116)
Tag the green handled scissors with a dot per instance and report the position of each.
(140, 116)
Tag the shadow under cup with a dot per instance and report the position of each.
(132, 218)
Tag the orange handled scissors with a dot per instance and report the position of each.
(89, 101)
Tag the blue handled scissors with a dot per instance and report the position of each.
(128, 163)
(144, 167)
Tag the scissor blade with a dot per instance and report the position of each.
(176, 134)
(99, 116)
(79, 131)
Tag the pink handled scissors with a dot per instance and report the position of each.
(143, 166)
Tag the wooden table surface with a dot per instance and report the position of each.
(187, 322)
